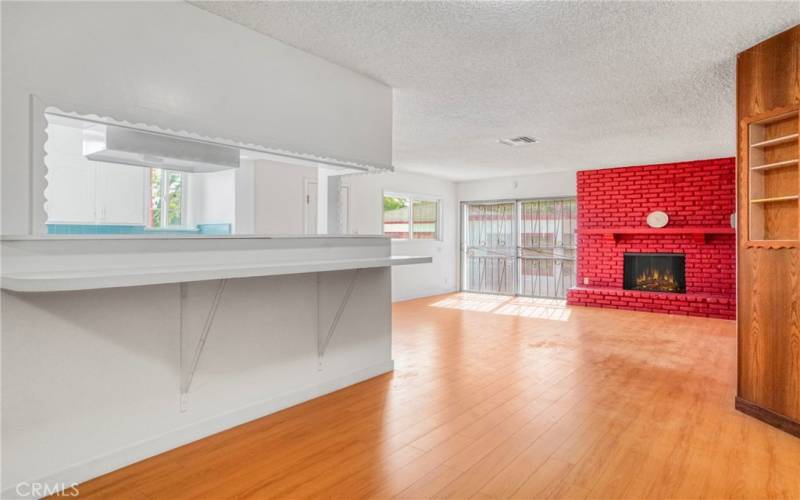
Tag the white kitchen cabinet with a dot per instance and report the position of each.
(70, 193)
(93, 193)
(120, 194)
(81, 191)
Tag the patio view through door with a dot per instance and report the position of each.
(521, 247)
(489, 248)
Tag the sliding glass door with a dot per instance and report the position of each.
(546, 251)
(489, 248)
(521, 247)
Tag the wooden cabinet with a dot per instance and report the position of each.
(768, 99)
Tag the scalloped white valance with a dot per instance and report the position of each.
(308, 159)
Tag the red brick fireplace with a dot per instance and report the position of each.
(699, 198)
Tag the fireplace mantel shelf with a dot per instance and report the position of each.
(699, 233)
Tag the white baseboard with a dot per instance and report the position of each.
(421, 293)
(109, 462)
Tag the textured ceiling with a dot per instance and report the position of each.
(599, 84)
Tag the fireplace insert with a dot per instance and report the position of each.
(655, 272)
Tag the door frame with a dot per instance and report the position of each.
(344, 205)
(307, 182)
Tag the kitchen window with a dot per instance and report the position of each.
(166, 205)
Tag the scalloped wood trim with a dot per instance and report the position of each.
(772, 245)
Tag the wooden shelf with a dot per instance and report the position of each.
(773, 178)
(776, 198)
(776, 141)
(699, 233)
(777, 164)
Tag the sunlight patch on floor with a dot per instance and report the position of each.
(524, 307)
(555, 310)
(473, 302)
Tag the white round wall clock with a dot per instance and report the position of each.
(657, 219)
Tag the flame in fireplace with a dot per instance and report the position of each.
(657, 281)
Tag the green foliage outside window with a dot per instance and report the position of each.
(155, 197)
(166, 194)
(392, 203)
(174, 203)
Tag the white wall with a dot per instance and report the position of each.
(553, 184)
(212, 197)
(279, 197)
(366, 211)
(176, 66)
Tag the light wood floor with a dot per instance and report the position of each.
(501, 397)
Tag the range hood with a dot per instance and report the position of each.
(128, 146)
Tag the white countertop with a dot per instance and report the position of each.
(156, 236)
(88, 279)
(85, 262)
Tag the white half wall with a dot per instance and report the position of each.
(91, 383)
(366, 209)
(176, 66)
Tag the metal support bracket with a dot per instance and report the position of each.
(188, 366)
(323, 337)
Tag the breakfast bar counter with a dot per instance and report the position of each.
(192, 334)
(64, 263)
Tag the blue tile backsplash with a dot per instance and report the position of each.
(94, 229)
(134, 229)
(214, 228)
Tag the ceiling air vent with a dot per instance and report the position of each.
(522, 140)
